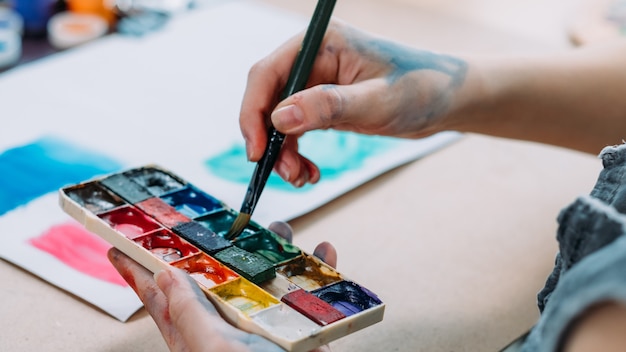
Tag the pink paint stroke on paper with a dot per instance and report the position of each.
(80, 250)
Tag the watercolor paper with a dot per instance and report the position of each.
(96, 281)
(172, 98)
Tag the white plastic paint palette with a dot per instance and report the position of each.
(259, 282)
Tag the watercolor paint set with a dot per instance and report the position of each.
(259, 282)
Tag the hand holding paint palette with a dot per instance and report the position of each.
(259, 282)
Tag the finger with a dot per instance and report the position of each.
(312, 171)
(295, 168)
(155, 302)
(181, 290)
(191, 313)
(265, 81)
(324, 348)
(347, 107)
(198, 320)
(282, 229)
(327, 253)
(138, 277)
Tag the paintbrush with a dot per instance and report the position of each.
(298, 77)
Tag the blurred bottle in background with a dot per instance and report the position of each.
(102, 8)
(11, 28)
(31, 29)
(82, 22)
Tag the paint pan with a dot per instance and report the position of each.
(192, 202)
(207, 271)
(130, 221)
(155, 180)
(348, 297)
(162, 212)
(285, 322)
(245, 296)
(314, 308)
(260, 282)
(202, 237)
(125, 188)
(249, 265)
(219, 222)
(309, 273)
(269, 245)
(95, 198)
(166, 245)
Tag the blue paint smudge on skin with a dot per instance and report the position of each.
(405, 60)
(45, 165)
(335, 153)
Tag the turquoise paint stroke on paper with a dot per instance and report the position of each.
(45, 165)
(335, 153)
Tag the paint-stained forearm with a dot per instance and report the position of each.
(576, 99)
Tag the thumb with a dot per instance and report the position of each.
(188, 307)
(329, 106)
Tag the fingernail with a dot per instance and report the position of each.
(304, 178)
(283, 170)
(113, 254)
(287, 118)
(163, 279)
(249, 152)
(282, 229)
(320, 253)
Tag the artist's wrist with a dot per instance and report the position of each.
(498, 97)
(471, 103)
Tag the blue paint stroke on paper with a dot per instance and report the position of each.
(335, 153)
(45, 165)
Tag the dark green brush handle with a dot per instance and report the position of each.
(298, 77)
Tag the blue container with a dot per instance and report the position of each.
(35, 14)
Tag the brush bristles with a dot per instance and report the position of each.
(240, 223)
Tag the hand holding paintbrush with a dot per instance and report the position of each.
(297, 81)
